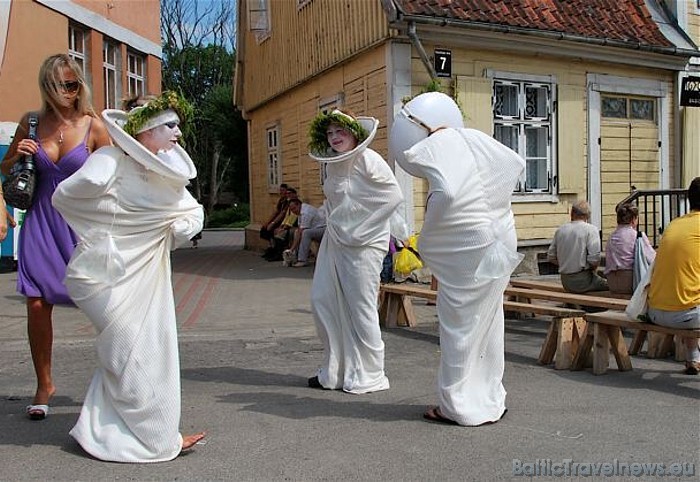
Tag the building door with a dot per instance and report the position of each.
(629, 151)
(628, 142)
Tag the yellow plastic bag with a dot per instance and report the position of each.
(407, 259)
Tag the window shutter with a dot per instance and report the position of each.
(474, 98)
(572, 139)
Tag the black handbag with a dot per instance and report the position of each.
(18, 187)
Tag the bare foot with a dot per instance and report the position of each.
(188, 441)
(43, 395)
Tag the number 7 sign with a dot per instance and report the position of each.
(443, 62)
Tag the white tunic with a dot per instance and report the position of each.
(362, 194)
(128, 215)
(468, 219)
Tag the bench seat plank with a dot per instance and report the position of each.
(572, 298)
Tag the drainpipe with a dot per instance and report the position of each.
(415, 41)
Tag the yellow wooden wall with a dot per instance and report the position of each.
(534, 220)
(693, 12)
(305, 41)
(362, 82)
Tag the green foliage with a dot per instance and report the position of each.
(237, 216)
(433, 86)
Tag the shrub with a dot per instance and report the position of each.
(237, 216)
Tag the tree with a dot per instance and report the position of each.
(198, 61)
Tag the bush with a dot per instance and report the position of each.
(237, 216)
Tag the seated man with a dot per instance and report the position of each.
(312, 225)
(283, 234)
(674, 288)
(576, 250)
(268, 227)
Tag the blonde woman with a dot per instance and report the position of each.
(68, 131)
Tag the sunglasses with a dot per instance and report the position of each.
(172, 124)
(71, 86)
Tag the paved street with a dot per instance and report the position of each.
(248, 344)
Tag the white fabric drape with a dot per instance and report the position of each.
(362, 194)
(131, 411)
(471, 178)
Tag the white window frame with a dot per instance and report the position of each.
(273, 157)
(522, 192)
(112, 83)
(77, 48)
(259, 19)
(136, 80)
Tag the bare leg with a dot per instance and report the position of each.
(40, 331)
(188, 441)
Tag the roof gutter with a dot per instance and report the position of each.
(415, 41)
(411, 20)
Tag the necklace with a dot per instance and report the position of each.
(60, 136)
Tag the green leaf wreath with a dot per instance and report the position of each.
(319, 126)
(167, 100)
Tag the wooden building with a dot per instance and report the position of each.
(587, 91)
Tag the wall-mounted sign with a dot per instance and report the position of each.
(443, 63)
(690, 92)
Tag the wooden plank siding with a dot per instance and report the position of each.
(362, 83)
(304, 42)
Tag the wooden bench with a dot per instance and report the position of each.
(603, 333)
(537, 284)
(560, 345)
(528, 295)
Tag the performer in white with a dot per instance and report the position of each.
(129, 207)
(362, 194)
(469, 243)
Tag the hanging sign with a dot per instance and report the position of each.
(443, 62)
(690, 92)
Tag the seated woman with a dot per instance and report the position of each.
(619, 252)
(129, 207)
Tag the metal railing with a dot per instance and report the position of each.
(657, 208)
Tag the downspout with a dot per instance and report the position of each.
(415, 41)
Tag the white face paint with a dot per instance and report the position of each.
(340, 139)
(161, 138)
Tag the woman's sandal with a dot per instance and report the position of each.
(37, 412)
(433, 414)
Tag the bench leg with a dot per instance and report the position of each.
(584, 349)
(659, 345)
(617, 342)
(601, 349)
(406, 316)
(637, 342)
(549, 347)
(568, 340)
(392, 303)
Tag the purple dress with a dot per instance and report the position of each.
(46, 243)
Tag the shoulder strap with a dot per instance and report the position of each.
(33, 122)
(87, 133)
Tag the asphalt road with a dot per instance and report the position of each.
(247, 346)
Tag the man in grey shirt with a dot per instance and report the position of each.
(576, 250)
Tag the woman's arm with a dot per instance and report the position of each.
(20, 146)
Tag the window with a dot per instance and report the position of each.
(76, 46)
(135, 75)
(110, 63)
(259, 19)
(523, 121)
(626, 107)
(273, 158)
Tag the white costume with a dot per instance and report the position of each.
(468, 241)
(129, 208)
(362, 194)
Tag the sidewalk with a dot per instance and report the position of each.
(247, 346)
